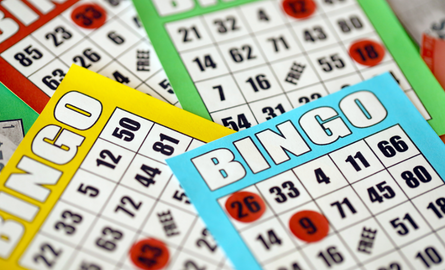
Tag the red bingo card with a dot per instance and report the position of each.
(39, 40)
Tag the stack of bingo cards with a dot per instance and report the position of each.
(351, 181)
(89, 189)
(39, 40)
(244, 62)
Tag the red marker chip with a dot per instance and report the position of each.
(89, 16)
(245, 206)
(149, 254)
(309, 226)
(367, 52)
(299, 9)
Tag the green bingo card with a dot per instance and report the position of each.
(243, 62)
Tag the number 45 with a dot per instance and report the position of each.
(242, 122)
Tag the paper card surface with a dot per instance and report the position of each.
(89, 188)
(350, 181)
(15, 120)
(243, 62)
(39, 40)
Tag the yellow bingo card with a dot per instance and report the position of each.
(89, 189)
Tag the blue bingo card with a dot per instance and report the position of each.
(350, 181)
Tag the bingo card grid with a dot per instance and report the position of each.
(87, 210)
(386, 235)
(247, 73)
(119, 49)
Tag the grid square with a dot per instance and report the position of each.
(415, 176)
(295, 73)
(27, 56)
(332, 62)
(258, 83)
(262, 15)
(188, 34)
(270, 108)
(225, 25)
(58, 35)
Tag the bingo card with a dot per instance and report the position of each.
(39, 40)
(350, 181)
(15, 120)
(88, 187)
(243, 62)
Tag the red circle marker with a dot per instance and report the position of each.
(245, 206)
(149, 254)
(309, 226)
(367, 52)
(299, 9)
(89, 16)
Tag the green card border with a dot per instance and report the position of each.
(403, 50)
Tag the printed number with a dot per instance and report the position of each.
(165, 149)
(368, 53)
(262, 15)
(32, 53)
(69, 228)
(336, 62)
(294, 266)
(128, 125)
(441, 204)
(127, 201)
(387, 192)
(360, 157)
(429, 256)
(114, 3)
(403, 230)
(242, 122)
(321, 176)
(220, 91)
(42, 256)
(88, 54)
(340, 207)
(109, 245)
(269, 240)
(151, 172)
(116, 38)
(353, 23)
(120, 78)
(260, 82)
(238, 57)
(89, 15)
(53, 35)
(395, 144)
(271, 111)
(281, 197)
(331, 256)
(89, 266)
(185, 32)
(191, 265)
(223, 27)
(331, 2)
(208, 63)
(422, 176)
(305, 100)
(88, 190)
(250, 203)
(277, 41)
(317, 33)
(51, 81)
(203, 242)
(180, 196)
(107, 153)
(165, 84)
(392, 266)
